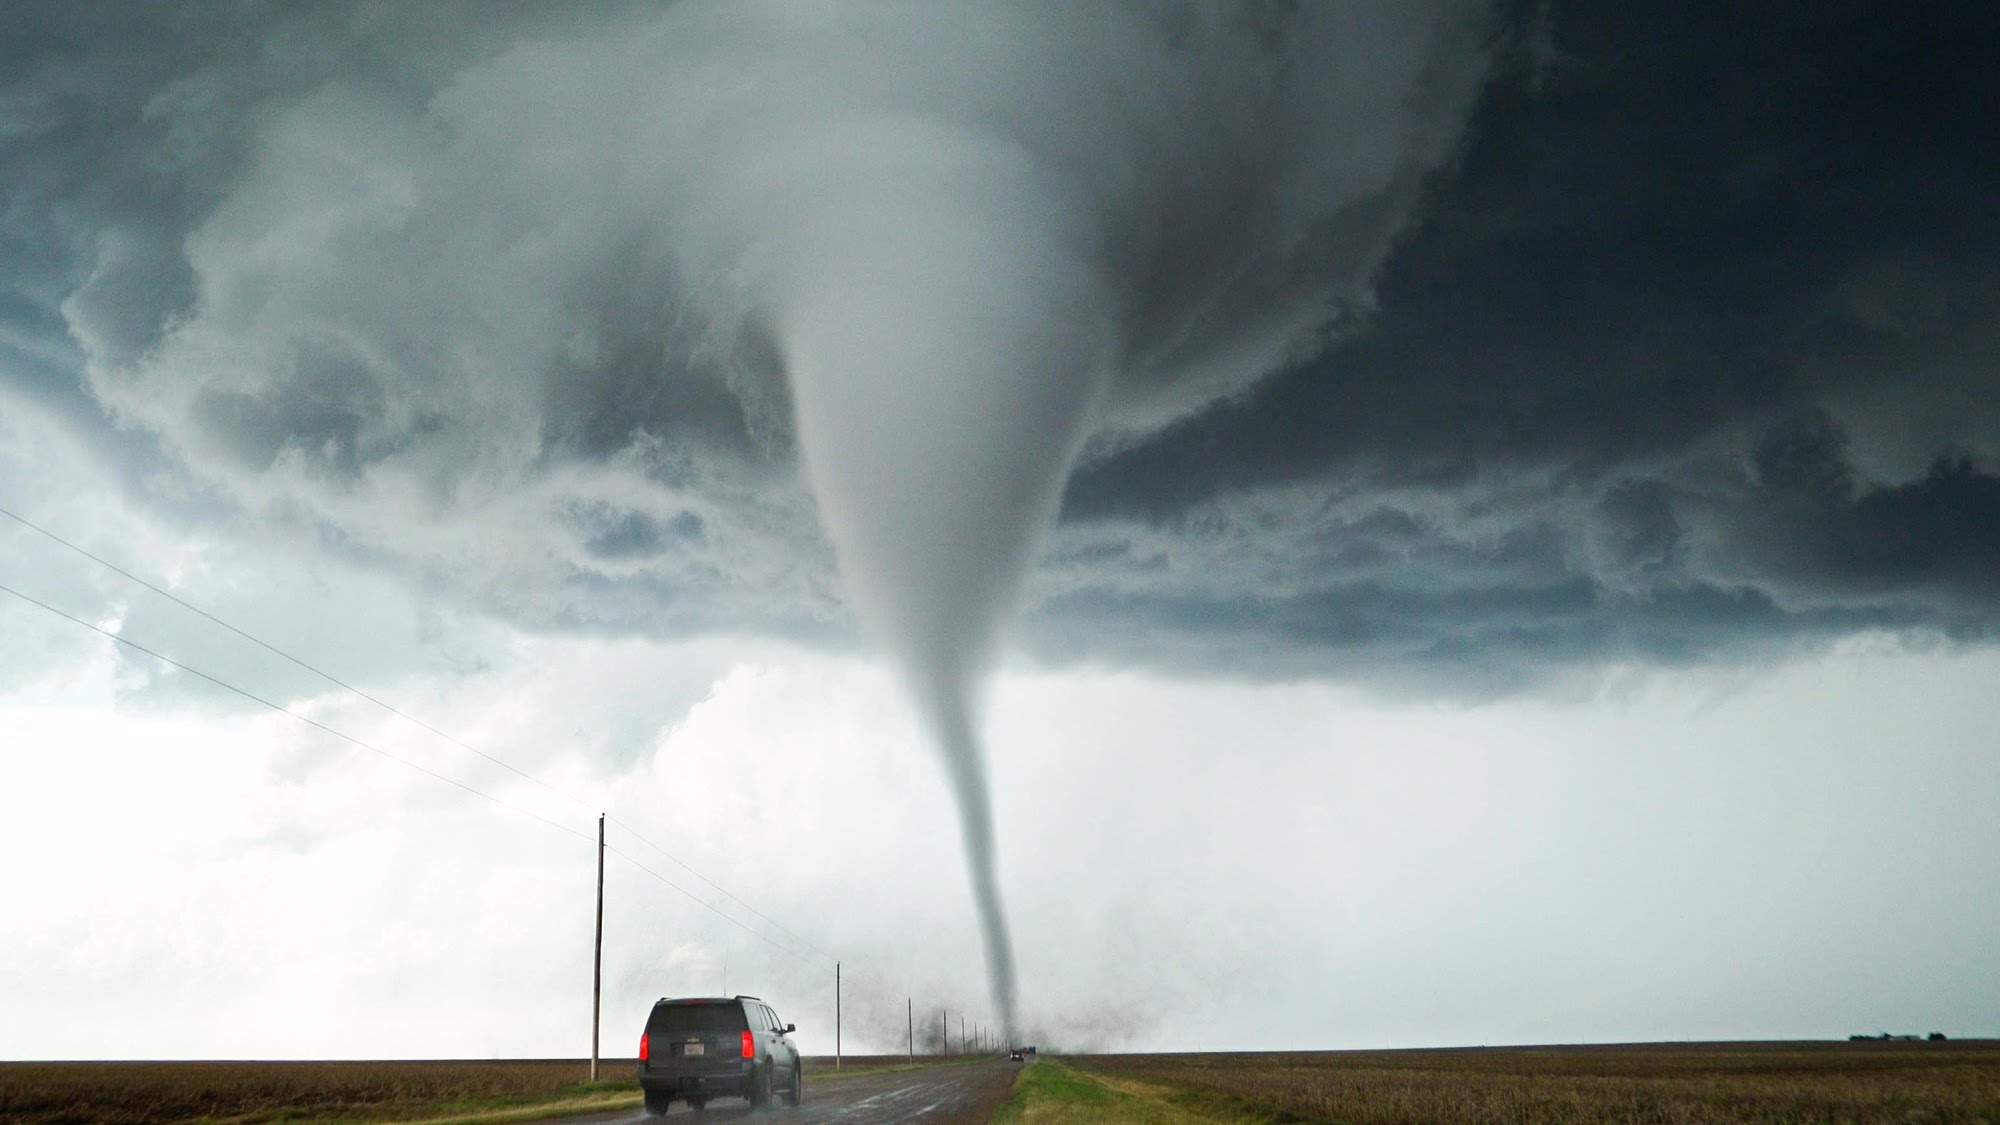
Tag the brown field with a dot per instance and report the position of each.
(249, 1093)
(1657, 1083)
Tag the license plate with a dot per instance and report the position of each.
(693, 1049)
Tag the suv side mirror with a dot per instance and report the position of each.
(791, 1027)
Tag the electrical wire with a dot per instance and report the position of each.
(283, 710)
(773, 923)
(365, 745)
(768, 940)
(276, 651)
(405, 716)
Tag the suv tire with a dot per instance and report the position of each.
(797, 1089)
(760, 1087)
(657, 1104)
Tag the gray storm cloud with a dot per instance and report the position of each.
(933, 249)
(499, 302)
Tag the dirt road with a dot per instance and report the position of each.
(934, 1095)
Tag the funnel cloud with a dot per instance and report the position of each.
(936, 455)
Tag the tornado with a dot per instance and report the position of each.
(944, 363)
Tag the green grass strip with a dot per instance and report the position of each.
(591, 1103)
(1049, 1092)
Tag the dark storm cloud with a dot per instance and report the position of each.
(1710, 308)
(1690, 354)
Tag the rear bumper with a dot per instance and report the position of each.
(731, 1079)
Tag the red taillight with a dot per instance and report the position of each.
(749, 1045)
(644, 1051)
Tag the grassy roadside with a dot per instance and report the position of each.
(1052, 1092)
(580, 1100)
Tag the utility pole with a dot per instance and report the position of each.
(597, 953)
(911, 1003)
(944, 1031)
(836, 1015)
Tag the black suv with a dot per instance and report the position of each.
(714, 1047)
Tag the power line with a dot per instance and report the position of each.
(276, 651)
(774, 924)
(345, 737)
(283, 710)
(405, 716)
(765, 938)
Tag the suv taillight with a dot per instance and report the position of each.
(644, 1053)
(749, 1045)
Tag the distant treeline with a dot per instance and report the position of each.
(1885, 1037)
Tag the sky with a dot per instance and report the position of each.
(1171, 527)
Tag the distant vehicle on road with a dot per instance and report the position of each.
(699, 1048)
(1016, 1055)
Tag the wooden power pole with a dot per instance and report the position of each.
(836, 1014)
(597, 953)
(910, 1002)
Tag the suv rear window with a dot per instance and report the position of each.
(674, 1019)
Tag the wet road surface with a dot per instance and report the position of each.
(937, 1095)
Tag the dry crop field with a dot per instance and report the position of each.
(142, 1093)
(250, 1093)
(1664, 1083)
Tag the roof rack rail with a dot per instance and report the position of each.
(759, 999)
